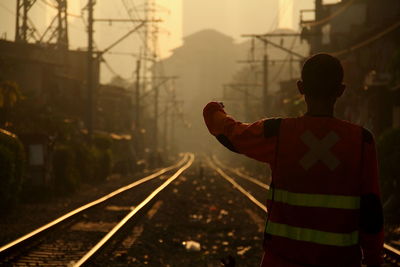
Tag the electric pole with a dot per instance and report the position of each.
(246, 104)
(165, 141)
(62, 28)
(137, 96)
(138, 133)
(265, 84)
(156, 96)
(89, 120)
(24, 28)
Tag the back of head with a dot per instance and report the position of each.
(322, 76)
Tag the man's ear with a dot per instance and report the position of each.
(341, 90)
(300, 87)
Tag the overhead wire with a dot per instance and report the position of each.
(55, 7)
(253, 47)
(7, 9)
(103, 59)
(133, 16)
(368, 40)
(278, 74)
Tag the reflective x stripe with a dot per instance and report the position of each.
(310, 235)
(315, 200)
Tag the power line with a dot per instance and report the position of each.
(55, 7)
(7, 9)
(278, 74)
(368, 41)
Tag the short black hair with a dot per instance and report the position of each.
(322, 75)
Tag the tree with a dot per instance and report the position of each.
(10, 94)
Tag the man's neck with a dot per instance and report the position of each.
(320, 108)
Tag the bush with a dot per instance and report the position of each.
(12, 163)
(76, 162)
(64, 169)
(93, 163)
(103, 164)
(85, 162)
(103, 156)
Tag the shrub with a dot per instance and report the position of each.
(64, 169)
(93, 162)
(75, 162)
(12, 163)
(103, 164)
(103, 156)
(85, 162)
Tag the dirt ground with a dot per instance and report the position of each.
(197, 221)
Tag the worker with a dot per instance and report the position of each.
(324, 205)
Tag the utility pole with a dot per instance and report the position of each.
(138, 132)
(265, 84)
(137, 96)
(172, 130)
(24, 28)
(156, 96)
(165, 139)
(90, 93)
(62, 28)
(246, 103)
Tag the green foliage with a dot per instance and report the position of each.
(64, 169)
(103, 164)
(12, 163)
(10, 94)
(294, 106)
(102, 142)
(84, 162)
(76, 162)
(103, 156)
(389, 158)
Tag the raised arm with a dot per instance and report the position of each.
(371, 215)
(256, 140)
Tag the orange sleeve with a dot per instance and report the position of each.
(248, 139)
(371, 213)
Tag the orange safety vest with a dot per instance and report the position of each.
(323, 205)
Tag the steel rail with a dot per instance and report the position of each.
(237, 186)
(241, 175)
(96, 248)
(4, 249)
(391, 253)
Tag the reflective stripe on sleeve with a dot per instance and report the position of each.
(314, 200)
(310, 235)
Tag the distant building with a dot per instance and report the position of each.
(247, 85)
(114, 109)
(50, 77)
(205, 61)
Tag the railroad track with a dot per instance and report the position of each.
(79, 236)
(392, 255)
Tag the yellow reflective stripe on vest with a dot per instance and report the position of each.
(310, 235)
(314, 200)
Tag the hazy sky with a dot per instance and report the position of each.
(180, 18)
